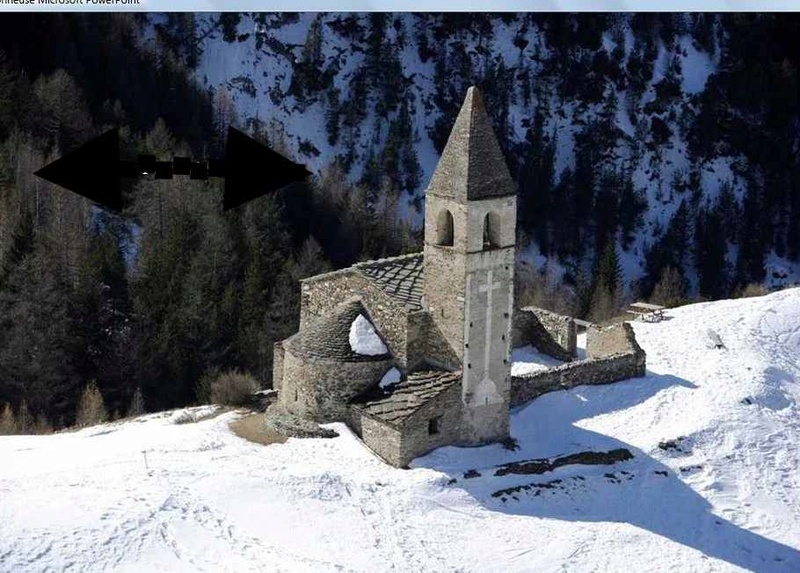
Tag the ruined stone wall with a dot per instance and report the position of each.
(612, 340)
(598, 371)
(320, 294)
(320, 389)
(551, 333)
(617, 356)
(338, 383)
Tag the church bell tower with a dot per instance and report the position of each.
(470, 236)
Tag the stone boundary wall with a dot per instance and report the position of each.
(617, 357)
(616, 339)
(551, 333)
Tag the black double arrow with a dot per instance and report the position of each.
(250, 170)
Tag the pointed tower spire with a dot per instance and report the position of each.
(472, 165)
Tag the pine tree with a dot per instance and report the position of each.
(793, 229)
(91, 409)
(20, 245)
(7, 100)
(609, 271)
(632, 206)
(62, 118)
(671, 288)
(308, 77)
(607, 279)
(136, 407)
(38, 350)
(750, 259)
(603, 304)
(567, 226)
(536, 183)
(102, 315)
(229, 22)
(24, 419)
(8, 422)
(41, 425)
(710, 250)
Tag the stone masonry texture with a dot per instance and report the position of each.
(617, 357)
(551, 333)
(447, 317)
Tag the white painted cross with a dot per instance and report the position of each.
(488, 288)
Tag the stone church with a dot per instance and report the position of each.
(413, 352)
(440, 371)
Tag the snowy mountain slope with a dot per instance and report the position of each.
(259, 67)
(722, 493)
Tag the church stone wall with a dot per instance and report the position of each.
(398, 445)
(444, 296)
(381, 438)
(505, 208)
(459, 211)
(416, 440)
(487, 368)
(298, 393)
(277, 365)
(427, 343)
(551, 333)
(320, 389)
(617, 356)
(320, 294)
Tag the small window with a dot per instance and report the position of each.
(433, 426)
(491, 231)
(444, 228)
(296, 396)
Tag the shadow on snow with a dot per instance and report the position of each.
(642, 491)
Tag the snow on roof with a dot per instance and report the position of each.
(363, 338)
(393, 376)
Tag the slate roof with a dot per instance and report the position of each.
(399, 277)
(398, 402)
(328, 337)
(472, 165)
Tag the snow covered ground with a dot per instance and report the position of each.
(527, 359)
(724, 495)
